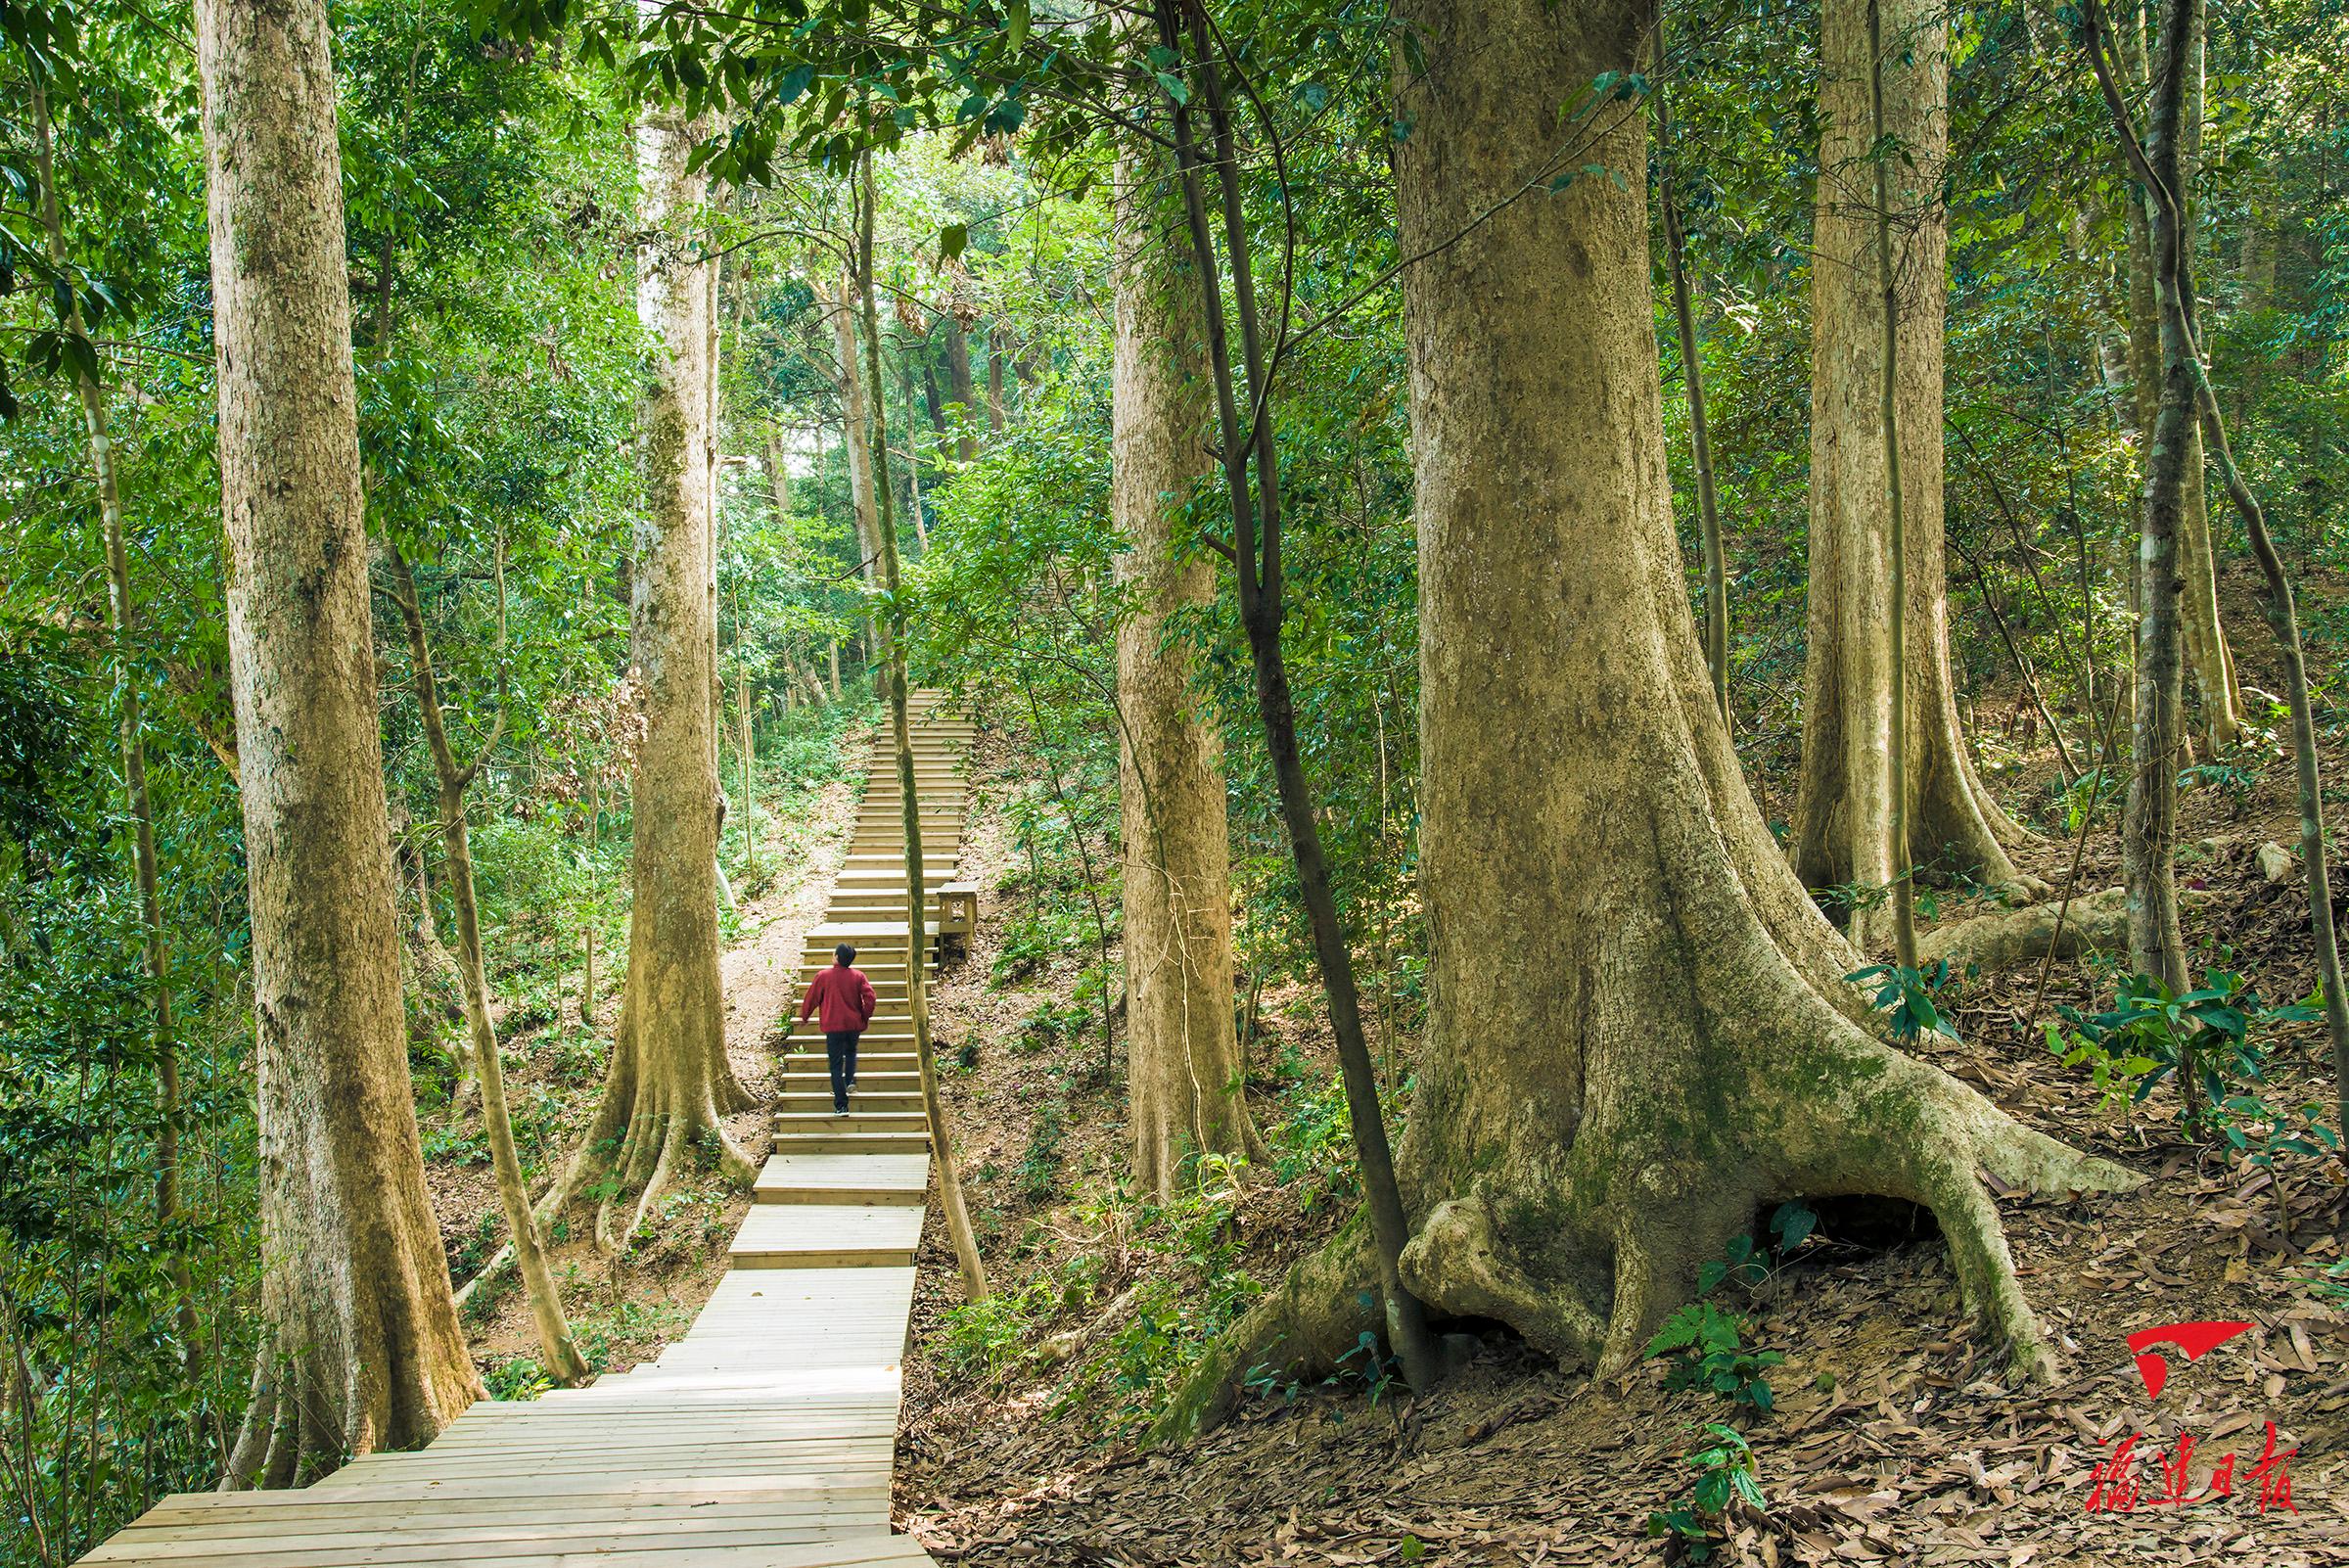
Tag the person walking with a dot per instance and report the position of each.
(844, 1002)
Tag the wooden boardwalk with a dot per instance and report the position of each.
(762, 1439)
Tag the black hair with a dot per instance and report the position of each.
(844, 954)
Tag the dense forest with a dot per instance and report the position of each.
(1652, 693)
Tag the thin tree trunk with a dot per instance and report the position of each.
(1888, 380)
(360, 1348)
(917, 925)
(595, 904)
(996, 341)
(960, 390)
(2150, 818)
(750, 771)
(560, 1355)
(1708, 509)
(1255, 553)
(2168, 215)
(853, 424)
(2202, 636)
(779, 477)
(122, 626)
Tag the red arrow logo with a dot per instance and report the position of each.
(2196, 1340)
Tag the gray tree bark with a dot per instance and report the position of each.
(669, 1082)
(360, 1346)
(1183, 1051)
(1844, 809)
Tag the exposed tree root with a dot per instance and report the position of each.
(2097, 922)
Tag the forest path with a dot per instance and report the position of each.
(765, 1437)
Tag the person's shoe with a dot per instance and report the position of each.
(851, 1084)
(839, 1107)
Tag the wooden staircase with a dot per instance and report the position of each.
(765, 1437)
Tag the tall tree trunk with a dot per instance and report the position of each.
(595, 812)
(2203, 637)
(779, 477)
(2149, 815)
(1182, 1054)
(1845, 807)
(122, 626)
(360, 1346)
(917, 900)
(669, 1082)
(1638, 1033)
(562, 1360)
(750, 771)
(1258, 579)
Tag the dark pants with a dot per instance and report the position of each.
(841, 1047)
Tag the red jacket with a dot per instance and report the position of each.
(846, 997)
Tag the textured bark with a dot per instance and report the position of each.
(2208, 659)
(1844, 810)
(360, 1346)
(2149, 815)
(670, 1082)
(2202, 636)
(960, 393)
(1639, 1034)
(1182, 1052)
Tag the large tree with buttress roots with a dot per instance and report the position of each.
(1639, 1031)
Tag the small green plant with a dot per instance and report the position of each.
(1910, 998)
(2207, 1037)
(1040, 1167)
(1725, 1472)
(2234, 781)
(1706, 1343)
(1707, 1350)
(520, 1378)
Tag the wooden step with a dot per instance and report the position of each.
(811, 1235)
(858, 1120)
(816, 1100)
(881, 1178)
(853, 1143)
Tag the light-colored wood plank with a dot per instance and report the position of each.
(807, 1235)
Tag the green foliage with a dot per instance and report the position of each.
(1727, 1471)
(2210, 1035)
(1705, 1347)
(1910, 998)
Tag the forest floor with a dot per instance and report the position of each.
(1894, 1436)
(624, 1311)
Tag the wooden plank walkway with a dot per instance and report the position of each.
(765, 1437)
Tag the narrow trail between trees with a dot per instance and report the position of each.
(766, 1435)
